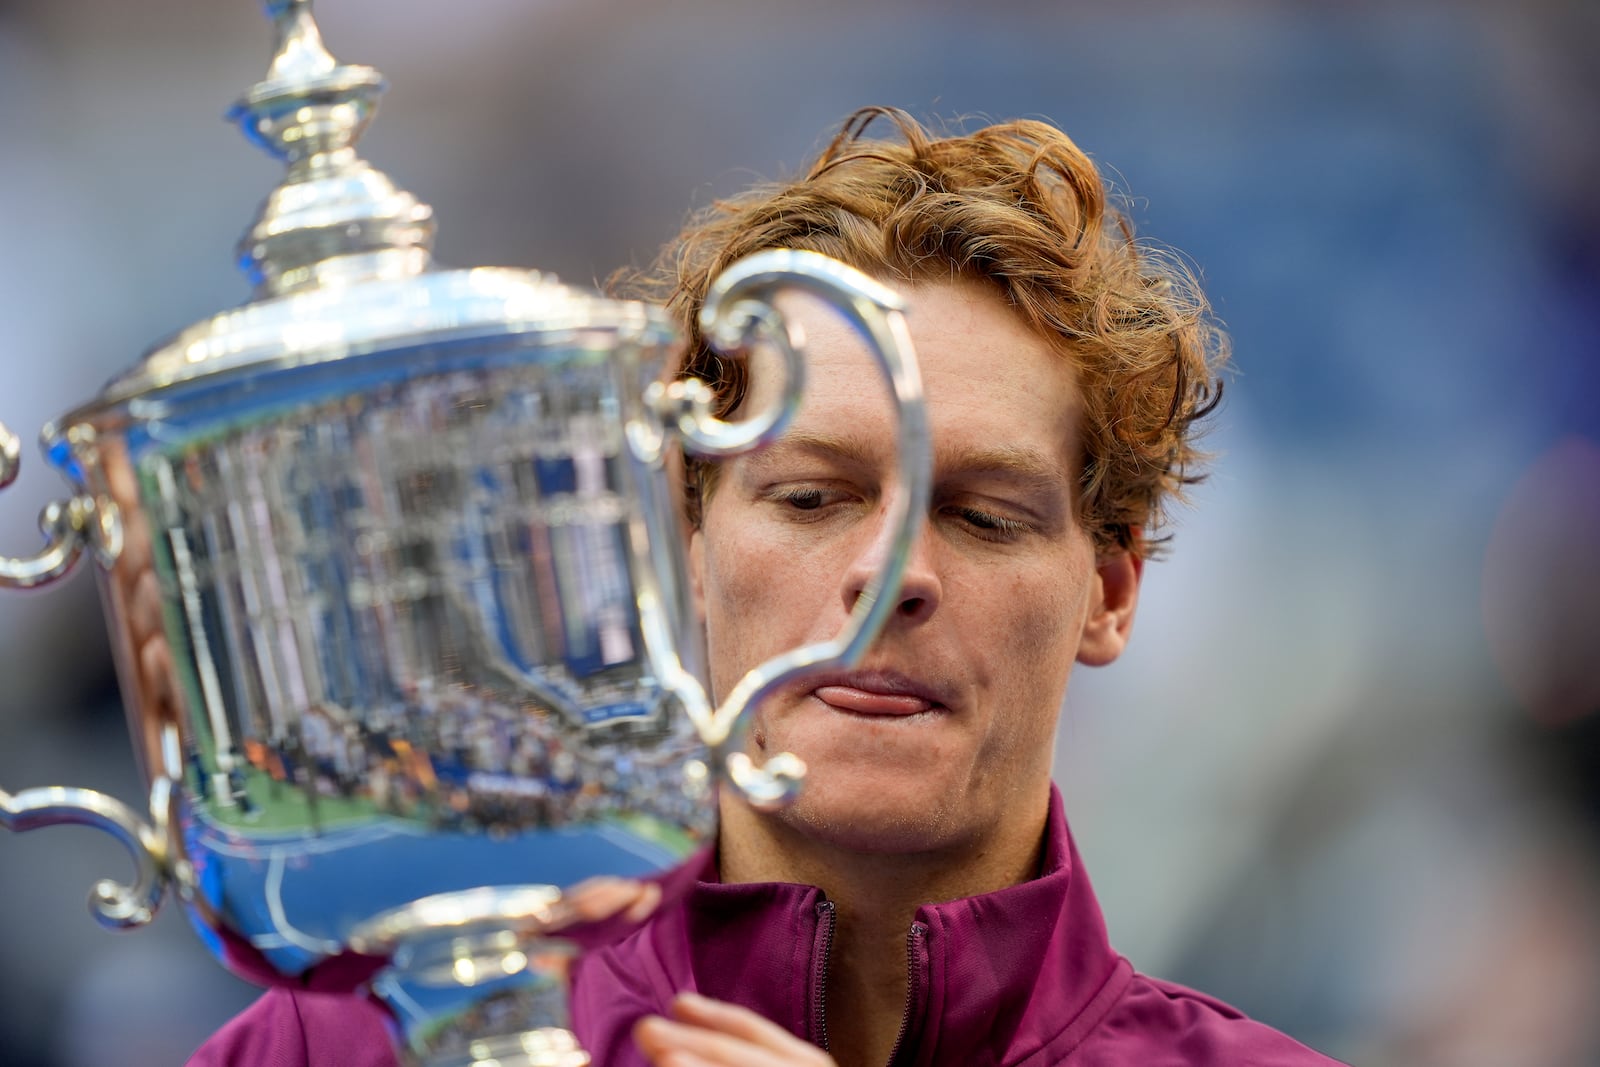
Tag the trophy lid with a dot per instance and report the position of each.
(339, 255)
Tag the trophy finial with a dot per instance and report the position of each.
(334, 218)
(300, 47)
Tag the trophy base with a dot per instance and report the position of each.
(479, 978)
(546, 1047)
(488, 998)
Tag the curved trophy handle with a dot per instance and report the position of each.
(687, 403)
(113, 904)
(65, 528)
(737, 309)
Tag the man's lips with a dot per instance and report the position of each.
(866, 702)
(876, 695)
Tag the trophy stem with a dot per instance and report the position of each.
(481, 998)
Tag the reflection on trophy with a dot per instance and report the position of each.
(395, 587)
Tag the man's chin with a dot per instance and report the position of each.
(876, 824)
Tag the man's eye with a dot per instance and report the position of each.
(989, 525)
(802, 499)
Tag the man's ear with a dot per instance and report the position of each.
(1112, 600)
(697, 572)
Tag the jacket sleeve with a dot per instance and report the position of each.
(608, 998)
(290, 1028)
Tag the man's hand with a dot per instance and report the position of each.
(708, 1033)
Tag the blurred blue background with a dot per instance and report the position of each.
(1346, 776)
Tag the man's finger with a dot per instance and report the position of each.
(722, 1035)
(744, 1023)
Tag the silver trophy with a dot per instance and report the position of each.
(395, 584)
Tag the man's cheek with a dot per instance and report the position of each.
(758, 572)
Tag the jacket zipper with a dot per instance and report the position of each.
(913, 980)
(819, 979)
(819, 974)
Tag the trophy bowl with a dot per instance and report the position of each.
(394, 577)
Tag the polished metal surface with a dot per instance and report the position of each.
(114, 905)
(334, 218)
(63, 525)
(397, 595)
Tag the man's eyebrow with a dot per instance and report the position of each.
(837, 448)
(1024, 469)
(1023, 465)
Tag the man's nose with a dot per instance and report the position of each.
(920, 589)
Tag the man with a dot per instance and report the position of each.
(922, 903)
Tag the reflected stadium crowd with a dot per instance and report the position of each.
(468, 758)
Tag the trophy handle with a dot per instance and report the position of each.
(115, 905)
(65, 527)
(737, 308)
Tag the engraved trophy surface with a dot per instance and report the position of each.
(395, 586)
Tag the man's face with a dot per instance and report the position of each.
(943, 736)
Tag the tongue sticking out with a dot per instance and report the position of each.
(864, 702)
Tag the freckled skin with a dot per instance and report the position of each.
(1002, 595)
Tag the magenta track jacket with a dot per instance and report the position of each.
(1024, 977)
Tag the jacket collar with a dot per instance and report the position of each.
(1010, 970)
(999, 973)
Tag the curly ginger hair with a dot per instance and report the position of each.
(1017, 205)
